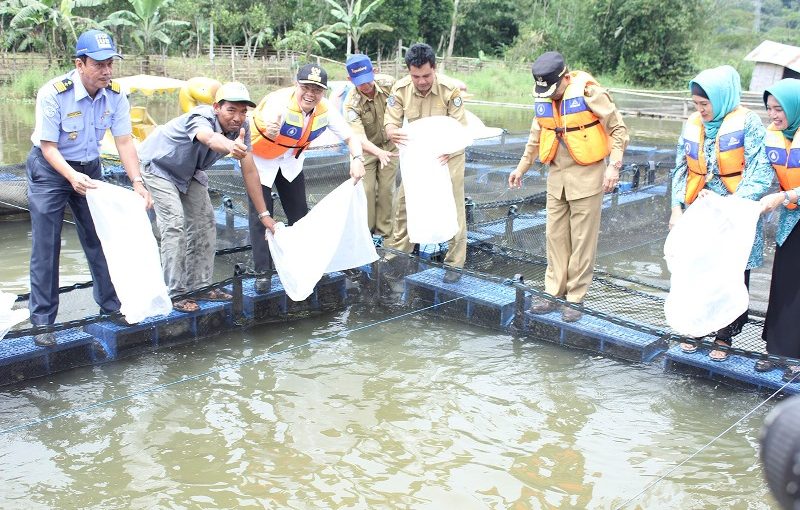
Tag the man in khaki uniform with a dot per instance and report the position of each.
(424, 93)
(364, 109)
(576, 126)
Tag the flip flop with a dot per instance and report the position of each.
(185, 305)
(215, 295)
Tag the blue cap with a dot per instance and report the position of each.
(97, 45)
(359, 68)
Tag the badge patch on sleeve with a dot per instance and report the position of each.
(352, 115)
(457, 102)
(391, 101)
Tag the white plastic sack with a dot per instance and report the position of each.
(706, 253)
(8, 317)
(430, 207)
(333, 236)
(131, 251)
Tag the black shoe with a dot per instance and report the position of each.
(263, 285)
(119, 320)
(451, 276)
(45, 339)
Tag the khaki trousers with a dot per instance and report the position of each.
(572, 232)
(457, 246)
(379, 188)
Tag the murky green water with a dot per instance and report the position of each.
(406, 413)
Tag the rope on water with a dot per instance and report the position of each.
(702, 448)
(229, 366)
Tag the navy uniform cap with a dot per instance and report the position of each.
(313, 74)
(547, 71)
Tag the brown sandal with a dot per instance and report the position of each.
(717, 354)
(215, 295)
(186, 305)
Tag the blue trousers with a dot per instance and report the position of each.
(48, 195)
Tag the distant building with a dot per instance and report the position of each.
(774, 61)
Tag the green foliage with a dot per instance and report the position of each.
(404, 17)
(145, 25)
(488, 26)
(639, 50)
(352, 21)
(434, 23)
(26, 84)
(306, 39)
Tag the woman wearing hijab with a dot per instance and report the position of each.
(783, 151)
(721, 150)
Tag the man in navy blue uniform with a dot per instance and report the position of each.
(73, 112)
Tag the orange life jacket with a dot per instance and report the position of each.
(784, 155)
(729, 149)
(294, 134)
(571, 120)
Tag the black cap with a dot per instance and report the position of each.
(547, 71)
(313, 74)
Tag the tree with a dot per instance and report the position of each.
(353, 21)
(405, 16)
(147, 27)
(304, 38)
(50, 21)
(639, 50)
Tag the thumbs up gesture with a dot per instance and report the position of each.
(238, 147)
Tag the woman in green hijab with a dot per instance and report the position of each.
(721, 150)
(781, 331)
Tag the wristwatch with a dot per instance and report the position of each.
(263, 214)
(358, 156)
(786, 200)
(616, 164)
(138, 178)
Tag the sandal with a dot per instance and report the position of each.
(186, 305)
(215, 295)
(764, 365)
(791, 373)
(718, 355)
(688, 348)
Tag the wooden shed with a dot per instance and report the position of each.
(774, 61)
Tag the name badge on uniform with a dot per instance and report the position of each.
(71, 115)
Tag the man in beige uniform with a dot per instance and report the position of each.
(576, 126)
(364, 109)
(423, 93)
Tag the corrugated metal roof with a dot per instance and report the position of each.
(776, 53)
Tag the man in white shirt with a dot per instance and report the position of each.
(283, 125)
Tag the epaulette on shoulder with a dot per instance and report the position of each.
(63, 85)
(114, 87)
(403, 82)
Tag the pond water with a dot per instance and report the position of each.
(365, 409)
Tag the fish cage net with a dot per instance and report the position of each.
(506, 246)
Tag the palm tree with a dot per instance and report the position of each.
(303, 37)
(147, 27)
(49, 23)
(352, 21)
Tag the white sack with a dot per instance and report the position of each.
(8, 317)
(430, 207)
(131, 251)
(707, 252)
(333, 236)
